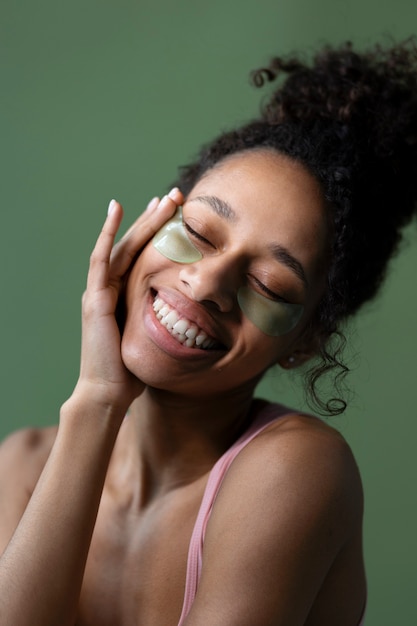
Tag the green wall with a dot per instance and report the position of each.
(105, 99)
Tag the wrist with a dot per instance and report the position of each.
(94, 404)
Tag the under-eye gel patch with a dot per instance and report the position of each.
(271, 317)
(174, 243)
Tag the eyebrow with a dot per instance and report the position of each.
(219, 206)
(279, 252)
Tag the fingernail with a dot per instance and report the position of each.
(173, 192)
(111, 206)
(152, 203)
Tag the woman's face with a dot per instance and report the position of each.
(258, 224)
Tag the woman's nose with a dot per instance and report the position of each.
(211, 280)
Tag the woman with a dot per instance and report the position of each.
(169, 494)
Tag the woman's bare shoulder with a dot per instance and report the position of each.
(304, 448)
(290, 503)
(27, 448)
(300, 469)
(304, 432)
(23, 455)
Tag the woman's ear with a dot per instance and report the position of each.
(295, 359)
(305, 348)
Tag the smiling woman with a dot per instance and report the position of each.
(168, 494)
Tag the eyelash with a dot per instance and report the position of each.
(264, 288)
(267, 291)
(197, 236)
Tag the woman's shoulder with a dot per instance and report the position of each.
(27, 447)
(292, 429)
(23, 455)
(302, 455)
(299, 444)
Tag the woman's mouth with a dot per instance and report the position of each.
(183, 330)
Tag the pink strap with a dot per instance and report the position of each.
(195, 553)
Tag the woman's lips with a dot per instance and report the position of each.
(181, 328)
(188, 322)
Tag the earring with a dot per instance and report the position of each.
(288, 362)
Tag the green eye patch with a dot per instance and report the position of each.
(271, 317)
(173, 242)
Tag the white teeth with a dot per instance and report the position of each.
(171, 319)
(200, 338)
(182, 329)
(192, 332)
(158, 304)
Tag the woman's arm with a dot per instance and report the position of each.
(41, 569)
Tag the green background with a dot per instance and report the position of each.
(106, 99)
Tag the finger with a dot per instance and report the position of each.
(98, 273)
(175, 194)
(151, 206)
(142, 231)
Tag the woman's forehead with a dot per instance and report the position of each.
(264, 186)
(262, 173)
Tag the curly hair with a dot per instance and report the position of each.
(350, 118)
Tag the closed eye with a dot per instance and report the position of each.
(197, 235)
(267, 291)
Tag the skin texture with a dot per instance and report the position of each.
(104, 538)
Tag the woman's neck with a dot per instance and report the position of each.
(168, 441)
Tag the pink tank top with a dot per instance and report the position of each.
(266, 416)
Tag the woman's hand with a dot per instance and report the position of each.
(103, 375)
